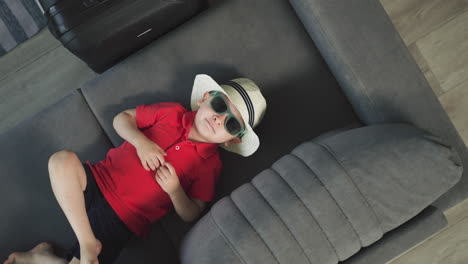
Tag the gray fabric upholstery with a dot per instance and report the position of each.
(31, 211)
(398, 168)
(377, 73)
(327, 199)
(156, 248)
(217, 42)
(165, 70)
(401, 239)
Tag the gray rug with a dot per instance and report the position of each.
(19, 21)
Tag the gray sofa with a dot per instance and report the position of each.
(333, 72)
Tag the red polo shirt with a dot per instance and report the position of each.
(132, 191)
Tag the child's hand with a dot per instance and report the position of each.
(167, 178)
(151, 155)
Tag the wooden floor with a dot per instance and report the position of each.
(448, 246)
(436, 33)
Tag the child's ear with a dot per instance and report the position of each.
(235, 140)
(206, 95)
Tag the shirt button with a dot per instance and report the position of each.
(177, 147)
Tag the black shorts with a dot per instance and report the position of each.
(106, 225)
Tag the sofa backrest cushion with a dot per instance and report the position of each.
(327, 199)
(229, 40)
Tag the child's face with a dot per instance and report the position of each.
(210, 125)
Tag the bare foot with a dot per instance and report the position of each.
(89, 252)
(42, 253)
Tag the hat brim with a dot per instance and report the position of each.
(250, 141)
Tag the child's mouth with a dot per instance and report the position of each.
(210, 125)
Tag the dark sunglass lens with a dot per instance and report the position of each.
(218, 105)
(233, 126)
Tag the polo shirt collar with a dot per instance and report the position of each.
(205, 150)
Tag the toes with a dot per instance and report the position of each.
(7, 261)
(42, 247)
(20, 257)
(11, 259)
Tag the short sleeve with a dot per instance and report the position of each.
(148, 115)
(203, 188)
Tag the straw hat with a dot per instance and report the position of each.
(247, 98)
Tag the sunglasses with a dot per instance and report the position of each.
(232, 125)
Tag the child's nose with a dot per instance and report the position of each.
(219, 119)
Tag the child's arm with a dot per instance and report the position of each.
(151, 154)
(125, 125)
(188, 209)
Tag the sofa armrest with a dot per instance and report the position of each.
(426, 224)
(376, 72)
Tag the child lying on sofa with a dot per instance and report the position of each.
(170, 159)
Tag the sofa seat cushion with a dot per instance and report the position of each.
(327, 199)
(31, 211)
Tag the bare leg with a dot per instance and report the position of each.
(68, 180)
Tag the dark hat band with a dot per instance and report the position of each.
(246, 99)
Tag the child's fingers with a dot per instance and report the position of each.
(155, 161)
(159, 179)
(164, 171)
(151, 164)
(159, 148)
(143, 163)
(160, 158)
(170, 167)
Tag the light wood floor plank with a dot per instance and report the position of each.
(457, 213)
(455, 103)
(446, 52)
(416, 18)
(450, 246)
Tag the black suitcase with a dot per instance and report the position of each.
(103, 32)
